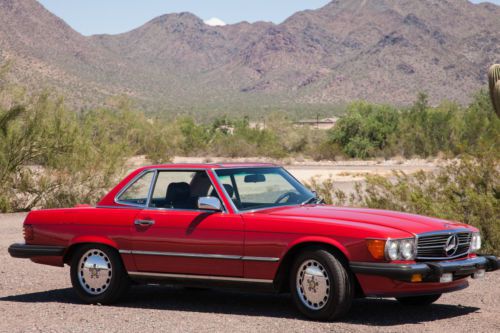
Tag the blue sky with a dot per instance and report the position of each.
(115, 16)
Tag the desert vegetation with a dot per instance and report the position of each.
(465, 190)
(450, 130)
(52, 156)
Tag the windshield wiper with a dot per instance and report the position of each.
(312, 200)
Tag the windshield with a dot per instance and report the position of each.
(253, 188)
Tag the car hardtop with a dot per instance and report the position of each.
(207, 166)
(110, 198)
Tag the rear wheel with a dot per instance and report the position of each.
(321, 286)
(98, 275)
(419, 300)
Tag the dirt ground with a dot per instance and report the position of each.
(36, 298)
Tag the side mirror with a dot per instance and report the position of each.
(209, 203)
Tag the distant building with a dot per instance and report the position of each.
(324, 124)
(227, 129)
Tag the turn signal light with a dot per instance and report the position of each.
(416, 278)
(376, 248)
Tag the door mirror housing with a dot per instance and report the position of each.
(209, 203)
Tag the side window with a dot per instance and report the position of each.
(137, 193)
(180, 189)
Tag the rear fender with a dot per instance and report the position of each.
(128, 260)
(93, 239)
(73, 244)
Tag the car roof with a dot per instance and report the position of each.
(209, 166)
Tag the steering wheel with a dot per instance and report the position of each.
(288, 195)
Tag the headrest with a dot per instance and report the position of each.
(177, 192)
(229, 189)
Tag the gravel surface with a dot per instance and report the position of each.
(36, 298)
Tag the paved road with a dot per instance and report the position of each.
(35, 298)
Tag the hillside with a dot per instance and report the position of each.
(378, 50)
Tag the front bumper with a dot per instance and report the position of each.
(430, 271)
(29, 251)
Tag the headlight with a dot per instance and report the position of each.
(407, 249)
(392, 250)
(400, 249)
(475, 244)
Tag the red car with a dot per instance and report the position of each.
(250, 225)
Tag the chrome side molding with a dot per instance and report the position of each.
(200, 255)
(195, 277)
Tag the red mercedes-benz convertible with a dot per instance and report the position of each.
(250, 225)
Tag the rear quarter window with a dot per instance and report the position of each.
(137, 193)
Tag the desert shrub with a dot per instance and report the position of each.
(369, 130)
(159, 146)
(365, 130)
(235, 138)
(466, 190)
(325, 150)
(195, 137)
(326, 190)
(52, 157)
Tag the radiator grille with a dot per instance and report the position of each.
(434, 247)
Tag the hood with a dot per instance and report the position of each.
(411, 223)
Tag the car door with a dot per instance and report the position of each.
(172, 235)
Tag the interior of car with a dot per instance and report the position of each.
(248, 188)
(182, 194)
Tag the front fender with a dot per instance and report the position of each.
(287, 257)
(317, 240)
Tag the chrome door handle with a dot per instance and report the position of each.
(144, 223)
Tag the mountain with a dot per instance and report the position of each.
(379, 50)
(46, 53)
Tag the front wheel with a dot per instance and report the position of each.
(419, 300)
(98, 275)
(321, 286)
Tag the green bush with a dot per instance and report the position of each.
(369, 130)
(467, 190)
(365, 130)
(51, 157)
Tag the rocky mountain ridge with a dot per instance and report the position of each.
(379, 50)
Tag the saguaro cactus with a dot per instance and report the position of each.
(494, 83)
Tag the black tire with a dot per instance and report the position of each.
(419, 300)
(341, 287)
(116, 285)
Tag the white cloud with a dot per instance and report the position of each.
(215, 22)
